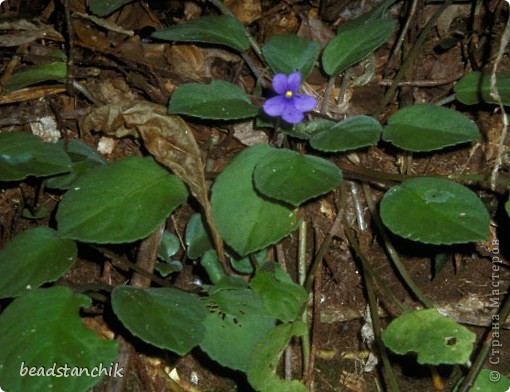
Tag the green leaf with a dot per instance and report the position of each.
(283, 299)
(212, 265)
(353, 44)
(121, 202)
(247, 221)
(34, 257)
(83, 158)
(305, 130)
(369, 17)
(435, 338)
(290, 53)
(168, 246)
(197, 239)
(23, 154)
(235, 322)
(294, 178)
(435, 211)
(36, 74)
(106, 7)
(164, 317)
(426, 127)
(43, 329)
(351, 133)
(245, 265)
(221, 30)
(490, 381)
(219, 100)
(264, 359)
(167, 268)
(475, 87)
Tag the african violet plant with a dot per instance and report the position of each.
(254, 202)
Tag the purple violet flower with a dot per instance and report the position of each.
(288, 103)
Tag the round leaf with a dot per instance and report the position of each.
(426, 127)
(121, 202)
(23, 154)
(435, 211)
(222, 30)
(291, 53)
(351, 133)
(219, 100)
(34, 257)
(353, 44)
(164, 317)
(42, 331)
(197, 238)
(246, 220)
(294, 178)
(435, 338)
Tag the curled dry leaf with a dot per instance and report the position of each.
(167, 137)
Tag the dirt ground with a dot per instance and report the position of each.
(115, 65)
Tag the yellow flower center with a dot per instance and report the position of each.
(288, 94)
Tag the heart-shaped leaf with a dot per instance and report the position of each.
(43, 334)
(290, 53)
(435, 211)
(121, 202)
(164, 317)
(247, 221)
(219, 100)
(353, 44)
(351, 133)
(294, 178)
(34, 257)
(222, 30)
(23, 154)
(435, 338)
(426, 127)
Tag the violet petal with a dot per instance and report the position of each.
(280, 84)
(292, 115)
(294, 81)
(305, 103)
(275, 106)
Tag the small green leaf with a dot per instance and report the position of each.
(245, 265)
(426, 127)
(435, 338)
(490, 381)
(42, 330)
(168, 246)
(121, 202)
(353, 44)
(475, 87)
(247, 221)
(349, 134)
(219, 100)
(212, 265)
(164, 317)
(83, 158)
(264, 359)
(305, 130)
(34, 257)
(36, 74)
(106, 7)
(291, 53)
(283, 299)
(197, 239)
(23, 154)
(167, 268)
(435, 211)
(235, 322)
(294, 178)
(221, 30)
